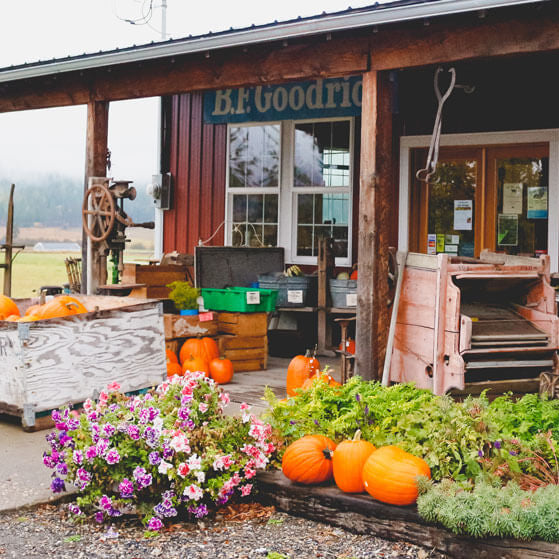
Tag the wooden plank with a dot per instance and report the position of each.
(8, 244)
(307, 58)
(361, 514)
(499, 387)
(518, 31)
(250, 365)
(237, 342)
(159, 275)
(246, 354)
(243, 324)
(180, 326)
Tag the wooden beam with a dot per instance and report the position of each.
(95, 166)
(525, 30)
(257, 65)
(375, 207)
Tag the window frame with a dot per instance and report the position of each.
(287, 192)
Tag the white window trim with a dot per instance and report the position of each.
(551, 137)
(287, 192)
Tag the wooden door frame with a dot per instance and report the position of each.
(489, 140)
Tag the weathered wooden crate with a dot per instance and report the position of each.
(185, 326)
(50, 363)
(247, 353)
(243, 324)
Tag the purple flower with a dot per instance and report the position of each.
(183, 413)
(105, 503)
(151, 436)
(152, 413)
(102, 446)
(292, 422)
(167, 451)
(108, 430)
(57, 485)
(73, 423)
(198, 512)
(154, 458)
(186, 399)
(480, 453)
(99, 517)
(126, 488)
(91, 453)
(155, 524)
(497, 444)
(114, 512)
(77, 457)
(134, 432)
(83, 477)
(358, 397)
(48, 460)
(366, 410)
(74, 509)
(62, 468)
(56, 416)
(113, 457)
(316, 422)
(52, 439)
(64, 440)
(139, 472)
(165, 509)
(513, 452)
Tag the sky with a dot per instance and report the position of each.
(53, 140)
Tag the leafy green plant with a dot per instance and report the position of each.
(488, 509)
(184, 295)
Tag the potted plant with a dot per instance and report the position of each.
(184, 296)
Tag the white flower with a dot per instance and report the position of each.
(164, 467)
(200, 477)
(194, 462)
(193, 492)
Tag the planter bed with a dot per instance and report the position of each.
(361, 514)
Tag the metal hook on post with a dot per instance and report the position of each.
(433, 156)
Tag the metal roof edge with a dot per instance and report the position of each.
(342, 21)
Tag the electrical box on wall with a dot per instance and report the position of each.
(160, 189)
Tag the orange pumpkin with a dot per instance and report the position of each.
(194, 364)
(12, 318)
(32, 310)
(58, 307)
(221, 370)
(171, 356)
(323, 376)
(309, 459)
(349, 346)
(353, 275)
(206, 348)
(301, 368)
(7, 307)
(390, 473)
(348, 461)
(174, 369)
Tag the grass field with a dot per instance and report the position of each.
(32, 270)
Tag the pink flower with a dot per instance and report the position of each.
(103, 397)
(183, 469)
(88, 405)
(193, 492)
(203, 407)
(222, 463)
(113, 387)
(194, 462)
(224, 397)
(245, 490)
(249, 472)
(164, 467)
(244, 406)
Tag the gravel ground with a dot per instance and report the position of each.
(244, 531)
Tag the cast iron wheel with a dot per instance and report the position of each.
(99, 204)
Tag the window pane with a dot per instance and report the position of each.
(322, 215)
(254, 156)
(250, 213)
(322, 154)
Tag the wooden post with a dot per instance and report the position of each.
(326, 266)
(9, 245)
(375, 207)
(95, 166)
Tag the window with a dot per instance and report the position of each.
(289, 184)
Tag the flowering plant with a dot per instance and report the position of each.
(155, 454)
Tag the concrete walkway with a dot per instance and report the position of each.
(24, 480)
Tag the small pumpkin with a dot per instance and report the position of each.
(174, 369)
(194, 364)
(206, 348)
(323, 376)
(221, 370)
(349, 346)
(7, 307)
(59, 307)
(348, 461)
(12, 318)
(353, 275)
(390, 473)
(309, 459)
(171, 356)
(301, 368)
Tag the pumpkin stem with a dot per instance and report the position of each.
(357, 436)
(327, 453)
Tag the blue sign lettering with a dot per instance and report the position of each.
(320, 98)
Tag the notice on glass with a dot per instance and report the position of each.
(536, 202)
(507, 230)
(440, 242)
(431, 243)
(463, 212)
(512, 198)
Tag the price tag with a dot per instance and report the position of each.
(206, 316)
(351, 300)
(253, 297)
(295, 296)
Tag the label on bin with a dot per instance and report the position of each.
(253, 297)
(294, 295)
(351, 300)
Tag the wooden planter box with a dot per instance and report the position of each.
(155, 278)
(50, 363)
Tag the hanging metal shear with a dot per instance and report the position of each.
(433, 155)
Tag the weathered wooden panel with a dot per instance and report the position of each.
(12, 380)
(417, 299)
(184, 326)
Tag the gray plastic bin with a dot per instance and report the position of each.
(343, 293)
(292, 291)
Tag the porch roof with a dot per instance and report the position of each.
(370, 16)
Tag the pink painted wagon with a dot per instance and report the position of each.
(467, 324)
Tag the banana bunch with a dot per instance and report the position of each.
(293, 271)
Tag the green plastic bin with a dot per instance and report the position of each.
(237, 299)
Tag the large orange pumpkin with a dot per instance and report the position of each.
(171, 356)
(58, 307)
(348, 461)
(206, 348)
(221, 370)
(174, 369)
(301, 368)
(309, 459)
(390, 474)
(194, 364)
(7, 307)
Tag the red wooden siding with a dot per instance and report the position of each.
(197, 160)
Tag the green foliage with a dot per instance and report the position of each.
(276, 555)
(488, 509)
(74, 538)
(184, 295)
(452, 437)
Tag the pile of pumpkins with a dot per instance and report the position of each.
(60, 306)
(388, 474)
(200, 354)
(303, 371)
